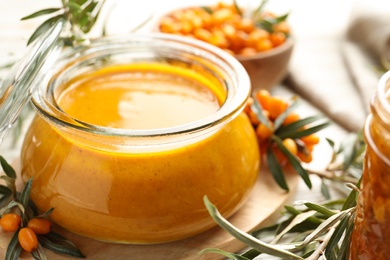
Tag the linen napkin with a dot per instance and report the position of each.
(334, 66)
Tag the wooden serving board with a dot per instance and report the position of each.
(262, 207)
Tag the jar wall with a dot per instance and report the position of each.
(371, 235)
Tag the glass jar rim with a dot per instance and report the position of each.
(237, 92)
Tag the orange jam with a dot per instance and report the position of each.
(151, 194)
(371, 234)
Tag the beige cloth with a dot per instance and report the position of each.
(338, 70)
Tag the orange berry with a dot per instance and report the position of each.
(40, 226)
(277, 38)
(253, 118)
(263, 132)
(264, 98)
(10, 222)
(282, 27)
(264, 45)
(221, 15)
(276, 107)
(290, 145)
(305, 156)
(27, 239)
(310, 139)
(202, 34)
(247, 51)
(291, 118)
(255, 36)
(247, 25)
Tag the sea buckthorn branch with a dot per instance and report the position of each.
(81, 16)
(309, 231)
(32, 232)
(284, 138)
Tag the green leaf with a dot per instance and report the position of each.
(10, 182)
(16, 204)
(256, 107)
(13, 249)
(276, 170)
(280, 119)
(207, 9)
(224, 253)
(351, 200)
(46, 214)
(320, 209)
(344, 252)
(293, 161)
(301, 133)
(297, 125)
(259, 9)
(60, 245)
(324, 190)
(39, 253)
(237, 7)
(25, 194)
(43, 28)
(8, 170)
(40, 13)
(335, 238)
(323, 228)
(274, 250)
(251, 253)
(297, 220)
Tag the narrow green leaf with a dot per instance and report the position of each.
(320, 209)
(344, 252)
(25, 194)
(251, 254)
(298, 124)
(274, 250)
(280, 119)
(60, 245)
(74, 7)
(297, 220)
(301, 133)
(13, 249)
(351, 200)
(43, 28)
(323, 228)
(292, 210)
(46, 214)
(224, 253)
(207, 9)
(40, 13)
(8, 170)
(293, 161)
(259, 9)
(276, 170)
(16, 204)
(256, 107)
(237, 7)
(324, 190)
(335, 238)
(39, 253)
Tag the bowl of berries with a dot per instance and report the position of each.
(260, 40)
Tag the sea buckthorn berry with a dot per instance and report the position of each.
(248, 51)
(310, 139)
(290, 145)
(202, 34)
(40, 226)
(291, 118)
(27, 239)
(276, 107)
(263, 132)
(277, 38)
(264, 45)
(264, 99)
(10, 222)
(305, 156)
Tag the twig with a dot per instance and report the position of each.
(331, 176)
(320, 249)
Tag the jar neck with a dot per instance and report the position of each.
(377, 128)
(203, 58)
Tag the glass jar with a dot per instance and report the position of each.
(141, 185)
(371, 235)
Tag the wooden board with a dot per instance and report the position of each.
(262, 207)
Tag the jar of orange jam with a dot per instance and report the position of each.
(132, 132)
(371, 234)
